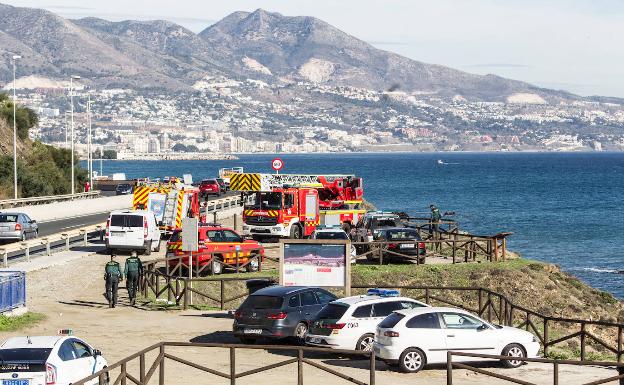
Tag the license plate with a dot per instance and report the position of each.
(407, 246)
(15, 382)
(252, 331)
(315, 340)
(116, 233)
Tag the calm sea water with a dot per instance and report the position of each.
(562, 208)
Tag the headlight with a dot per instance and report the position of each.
(277, 228)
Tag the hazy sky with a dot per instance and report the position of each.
(576, 45)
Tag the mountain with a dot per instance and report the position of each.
(260, 44)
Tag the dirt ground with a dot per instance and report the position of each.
(71, 295)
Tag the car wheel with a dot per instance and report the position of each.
(253, 264)
(23, 237)
(365, 343)
(36, 234)
(300, 331)
(412, 360)
(157, 248)
(295, 232)
(513, 350)
(215, 266)
(148, 249)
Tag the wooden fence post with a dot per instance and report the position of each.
(161, 369)
(504, 246)
(185, 304)
(222, 285)
(142, 368)
(583, 341)
(299, 366)
(232, 366)
(545, 337)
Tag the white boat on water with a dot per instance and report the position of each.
(440, 161)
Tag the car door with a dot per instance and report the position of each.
(425, 332)
(466, 333)
(84, 364)
(65, 368)
(310, 305)
(26, 226)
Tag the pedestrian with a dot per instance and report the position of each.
(436, 217)
(87, 186)
(132, 271)
(112, 275)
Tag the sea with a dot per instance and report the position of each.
(562, 208)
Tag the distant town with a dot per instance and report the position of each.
(225, 116)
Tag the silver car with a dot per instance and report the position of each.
(17, 227)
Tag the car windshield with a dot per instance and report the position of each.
(209, 182)
(262, 302)
(391, 320)
(332, 311)
(4, 218)
(408, 234)
(331, 235)
(384, 222)
(24, 355)
(266, 201)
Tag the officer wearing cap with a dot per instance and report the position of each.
(132, 271)
(436, 217)
(112, 275)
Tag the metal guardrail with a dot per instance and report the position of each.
(9, 203)
(49, 244)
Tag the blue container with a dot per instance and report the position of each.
(12, 290)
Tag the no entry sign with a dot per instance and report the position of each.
(277, 164)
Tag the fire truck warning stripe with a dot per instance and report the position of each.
(245, 182)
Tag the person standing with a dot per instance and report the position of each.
(112, 275)
(132, 271)
(436, 217)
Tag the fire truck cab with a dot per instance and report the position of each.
(282, 212)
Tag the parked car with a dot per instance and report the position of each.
(350, 323)
(334, 233)
(371, 221)
(209, 187)
(132, 230)
(123, 189)
(48, 360)
(17, 227)
(416, 337)
(220, 242)
(400, 234)
(223, 185)
(279, 312)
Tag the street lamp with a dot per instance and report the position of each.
(89, 157)
(15, 59)
(71, 97)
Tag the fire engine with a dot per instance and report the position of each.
(292, 205)
(169, 203)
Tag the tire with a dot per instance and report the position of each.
(365, 343)
(412, 360)
(252, 266)
(157, 249)
(295, 232)
(148, 249)
(514, 350)
(36, 234)
(300, 331)
(247, 340)
(23, 237)
(215, 267)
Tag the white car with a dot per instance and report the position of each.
(334, 233)
(52, 360)
(413, 338)
(349, 323)
(132, 230)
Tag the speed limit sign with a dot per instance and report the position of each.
(277, 164)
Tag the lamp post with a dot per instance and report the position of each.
(15, 58)
(89, 157)
(71, 98)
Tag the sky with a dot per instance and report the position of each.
(573, 45)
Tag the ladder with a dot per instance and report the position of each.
(171, 203)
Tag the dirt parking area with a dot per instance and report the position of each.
(71, 295)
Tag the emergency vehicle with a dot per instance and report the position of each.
(169, 203)
(292, 205)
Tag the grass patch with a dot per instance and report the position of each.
(10, 324)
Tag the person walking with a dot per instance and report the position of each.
(132, 271)
(436, 217)
(112, 275)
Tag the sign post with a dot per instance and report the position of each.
(277, 164)
(190, 239)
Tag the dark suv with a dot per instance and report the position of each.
(408, 244)
(371, 221)
(279, 312)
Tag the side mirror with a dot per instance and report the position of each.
(482, 327)
(96, 353)
(33, 221)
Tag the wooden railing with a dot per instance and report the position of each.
(162, 352)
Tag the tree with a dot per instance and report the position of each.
(110, 154)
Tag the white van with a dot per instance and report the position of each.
(132, 230)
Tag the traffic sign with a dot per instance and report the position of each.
(189, 234)
(277, 164)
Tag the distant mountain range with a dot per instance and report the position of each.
(262, 45)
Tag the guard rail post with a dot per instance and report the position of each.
(235, 221)
(46, 241)
(214, 215)
(84, 237)
(66, 238)
(26, 250)
(5, 257)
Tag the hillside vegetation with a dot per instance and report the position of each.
(41, 169)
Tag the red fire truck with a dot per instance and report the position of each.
(292, 206)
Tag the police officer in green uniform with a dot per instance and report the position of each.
(132, 271)
(436, 217)
(112, 275)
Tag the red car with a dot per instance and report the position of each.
(209, 187)
(220, 242)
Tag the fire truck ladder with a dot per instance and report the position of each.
(265, 182)
(170, 208)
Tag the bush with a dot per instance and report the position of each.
(25, 118)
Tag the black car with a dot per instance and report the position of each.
(123, 189)
(401, 234)
(222, 185)
(279, 312)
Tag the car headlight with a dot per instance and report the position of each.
(277, 228)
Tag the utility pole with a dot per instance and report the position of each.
(90, 156)
(71, 98)
(15, 58)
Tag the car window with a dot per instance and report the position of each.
(8, 218)
(331, 235)
(308, 298)
(262, 302)
(424, 321)
(24, 354)
(325, 297)
(231, 236)
(460, 321)
(289, 201)
(26, 218)
(81, 349)
(391, 320)
(410, 305)
(126, 220)
(66, 351)
(363, 311)
(294, 301)
(332, 311)
(383, 309)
